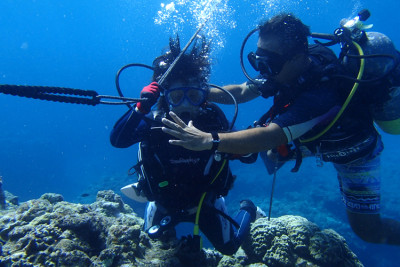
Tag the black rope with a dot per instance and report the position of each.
(57, 94)
(64, 95)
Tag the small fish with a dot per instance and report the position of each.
(85, 195)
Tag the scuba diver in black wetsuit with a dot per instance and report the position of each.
(182, 185)
(309, 112)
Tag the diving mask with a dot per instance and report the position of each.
(266, 62)
(194, 95)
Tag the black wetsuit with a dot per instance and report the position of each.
(174, 179)
(306, 108)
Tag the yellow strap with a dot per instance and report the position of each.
(196, 222)
(346, 103)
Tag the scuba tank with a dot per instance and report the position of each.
(386, 58)
(386, 114)
(380, 83)
(386, 111)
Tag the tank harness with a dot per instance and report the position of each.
(349, 39)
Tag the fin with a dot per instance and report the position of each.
(132, 192)
(260, 213)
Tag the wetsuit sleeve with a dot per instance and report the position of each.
(129, 129)
(312, 108)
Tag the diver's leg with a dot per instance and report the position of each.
(152, 215)
(360, 187)
(224, 236)
(372, 228)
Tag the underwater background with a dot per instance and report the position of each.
(64, 148)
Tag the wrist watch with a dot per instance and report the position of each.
(215, 140)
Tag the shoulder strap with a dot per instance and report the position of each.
(323, 54)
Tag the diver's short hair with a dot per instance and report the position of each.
(290, 29)
(193, 66)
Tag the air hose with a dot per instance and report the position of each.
(196, 229)
(348, 99)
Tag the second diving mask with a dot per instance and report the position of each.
(266, 62)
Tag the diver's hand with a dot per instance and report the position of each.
(151, 92)
(189, 136)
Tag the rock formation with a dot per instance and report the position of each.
(51, 232)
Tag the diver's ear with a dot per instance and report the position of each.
(293, 68)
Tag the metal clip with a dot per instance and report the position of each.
(217, 156)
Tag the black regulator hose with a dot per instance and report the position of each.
(241, 56)
(342, 36)
(395, 59)
(119, 73)
(234, 101)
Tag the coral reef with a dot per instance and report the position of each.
(10, 202)
(51, 232)
(295, 241)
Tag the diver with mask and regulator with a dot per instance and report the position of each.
(324, 106)
(181, 185)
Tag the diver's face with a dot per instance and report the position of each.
(185, 99)
(283, 68)
(269, 57)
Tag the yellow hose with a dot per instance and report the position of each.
(346, 103)
(196, 222)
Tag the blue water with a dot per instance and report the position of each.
(64, 148)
